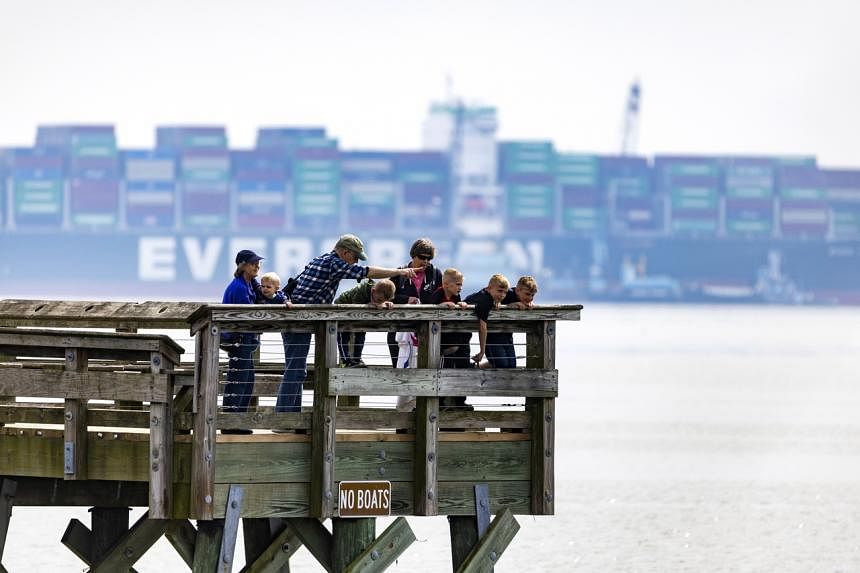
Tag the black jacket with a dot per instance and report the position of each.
(404, 288)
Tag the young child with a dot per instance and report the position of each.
(270, 290)
(485, 300)
(377, 295)
(500, 345)
(454, 346)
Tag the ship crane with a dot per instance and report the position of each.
(630, 129)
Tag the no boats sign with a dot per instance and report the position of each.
(364, 498)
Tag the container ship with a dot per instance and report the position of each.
(80, 216)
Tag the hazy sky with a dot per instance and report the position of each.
(727, 76)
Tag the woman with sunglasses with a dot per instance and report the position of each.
(416, 290)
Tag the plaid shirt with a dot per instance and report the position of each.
(318, 283)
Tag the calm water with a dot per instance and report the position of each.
(689, 439)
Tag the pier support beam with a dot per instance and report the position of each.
(350, 537)
(8, 488)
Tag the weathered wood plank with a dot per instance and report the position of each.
(258, 535)
(276, 317)
(490, 548)
(207, 546)
(232, 510)
(268, 500)
(275, 558)
(34, 491)
(463, 532)
(260, 462)
(95, 314)
(315, 537)
(540, 345)
(39, 453)
(108, 525)
(385, 550)
(182, 536)
(444, 382)
(75, 426)
(350, 537)
(116, 345)
(427, 424)
(131, 546)
(322, 490)
(203, 446)
(78, 539)
(83, 385)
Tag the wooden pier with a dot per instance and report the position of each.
(135, 425)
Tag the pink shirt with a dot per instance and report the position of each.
(418, 280)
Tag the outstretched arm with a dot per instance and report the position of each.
(482, 340)
(384, 273)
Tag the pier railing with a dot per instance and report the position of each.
(537, 383)
(432, 469)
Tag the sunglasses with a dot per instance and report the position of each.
(424, 257)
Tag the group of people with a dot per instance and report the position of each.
(417, 282)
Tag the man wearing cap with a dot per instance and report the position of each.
(317, 284)
(240, 346)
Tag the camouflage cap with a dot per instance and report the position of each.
(352, 243)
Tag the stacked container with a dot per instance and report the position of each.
(204, 174)
(692, 187)
(527, 176)
(749, 196)
(94, 178)
(583, 206)
(260, 181)
(316, 184)
(369, 186)
(425, 181)
(627, 185)
(150, 189)
(803, 211)
(36, 189)
(842, 193)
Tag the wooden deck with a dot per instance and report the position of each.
(151, 437)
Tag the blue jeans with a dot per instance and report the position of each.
(240, 373)
(296, 348)
(343, 340)
(501, 355)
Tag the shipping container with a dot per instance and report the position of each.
(182, 138)
(425, 180)
(316, 185)
(525, 158)
(841, 186)
(804, 218)
(749, 217)
(150, 204)
(749, 177)
(145, 165)
(94, 203)
(625, 177)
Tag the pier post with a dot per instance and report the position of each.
(8, 488)
(540, 353)
(350, 537)
(205, 416)
(425, 494)
(75, 426)
(322, 490)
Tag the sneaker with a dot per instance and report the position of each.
(356, 364)
(289, 431)
(236, 431)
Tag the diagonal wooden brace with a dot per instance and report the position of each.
(231, 528)
(132, 545)
(385, 549)
(315, 537)
(277, 555)
(490, 547)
